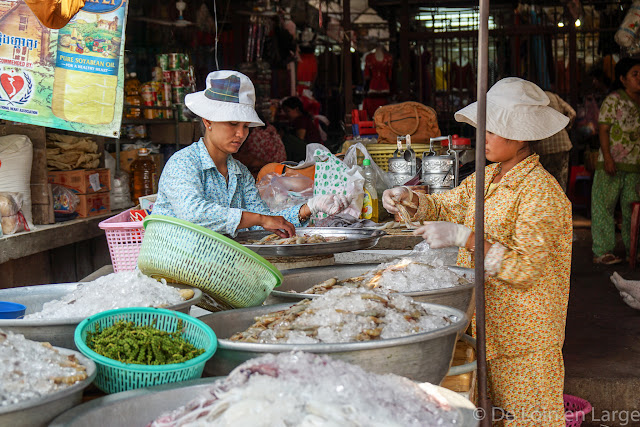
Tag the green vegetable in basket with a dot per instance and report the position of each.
(143, 345)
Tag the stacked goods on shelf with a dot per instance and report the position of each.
(175, 76)
(260, 74)
(91, 186)
(132, 97)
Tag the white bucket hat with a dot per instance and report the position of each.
(229, 97)
(518, 110)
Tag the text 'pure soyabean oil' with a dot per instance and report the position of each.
(87, 63)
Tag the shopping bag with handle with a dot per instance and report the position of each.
(333, 176)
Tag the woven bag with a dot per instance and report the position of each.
(411, 118)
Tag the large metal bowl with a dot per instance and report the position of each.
(137, 408)
(59, 332)
(423, 357)
(301, 279)
(38, 412)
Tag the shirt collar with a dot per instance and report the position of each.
(517, 174)
(207, 162)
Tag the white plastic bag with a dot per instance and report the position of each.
(280, 192)
(383, 180)
(333, 176)
(627, 35)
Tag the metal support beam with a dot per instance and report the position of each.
(483, 71)
(404, 51)
(346, 58)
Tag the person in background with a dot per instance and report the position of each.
(302, 131)
(527, 246)
(205, 185)
(618, 169)
(554, 151)
(262, 146)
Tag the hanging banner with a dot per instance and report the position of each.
(71, 78)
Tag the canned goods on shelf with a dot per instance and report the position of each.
(178, 93)
(163, 61)
(175, 61)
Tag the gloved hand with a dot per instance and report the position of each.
(393, 195)
(442, 234)
(328, 203)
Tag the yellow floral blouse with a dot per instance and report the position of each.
(529, 214)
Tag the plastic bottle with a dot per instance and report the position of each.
(143, 175)
(370, 209)
(132, 96)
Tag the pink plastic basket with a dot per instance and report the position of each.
(124, 238)
(575, 410)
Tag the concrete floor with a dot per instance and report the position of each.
(602, 345)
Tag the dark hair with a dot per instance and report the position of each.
(622, 68)
(294, 103)
(193, 116)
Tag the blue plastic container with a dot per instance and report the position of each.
(11, 310)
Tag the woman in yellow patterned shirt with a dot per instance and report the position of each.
(527, 246)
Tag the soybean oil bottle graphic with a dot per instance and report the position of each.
(87, 63)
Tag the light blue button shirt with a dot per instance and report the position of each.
(192, 189)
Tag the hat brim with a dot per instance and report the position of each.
(538, 123)
(219, 111)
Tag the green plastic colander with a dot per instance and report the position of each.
(182, 252)
(114, 377)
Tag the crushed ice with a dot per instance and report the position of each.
(28, 369)
(307, 390)
(116, 290)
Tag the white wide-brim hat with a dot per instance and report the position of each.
(518, 110)
(229, 97)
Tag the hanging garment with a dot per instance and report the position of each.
(379, 72)
(307, 71)
(442, 76)
(462, 77)
(55, 14)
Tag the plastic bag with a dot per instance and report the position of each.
(13, 220)
(64, 200)
(281, 192)
(333, 176)
(383, 179)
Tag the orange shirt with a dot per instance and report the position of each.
(529, 214)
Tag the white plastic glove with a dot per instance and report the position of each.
(328, 203)
(442, 234)
(393, 195)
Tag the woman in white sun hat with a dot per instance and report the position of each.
(205, 185)
(527, 247)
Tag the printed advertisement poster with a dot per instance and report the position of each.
(70, 78)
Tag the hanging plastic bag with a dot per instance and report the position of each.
(280, 192)
(627, 35)
(333, 176)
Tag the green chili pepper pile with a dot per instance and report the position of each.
(144, 345)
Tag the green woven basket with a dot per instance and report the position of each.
(230, 274)
(114, 377)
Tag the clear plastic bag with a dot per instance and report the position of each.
(64, 200)
(281, 192)
(12, 219)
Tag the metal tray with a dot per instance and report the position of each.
(137, 408)
(59, 332)
(38, 412)
(424, 356)
(356, 239)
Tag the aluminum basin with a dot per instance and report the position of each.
(38, 412)
(59, 332)
(137, 408)
(460, 297)
(423, 357)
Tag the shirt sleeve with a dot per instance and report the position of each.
(541, 229)
(450, 206)
(608, 111)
